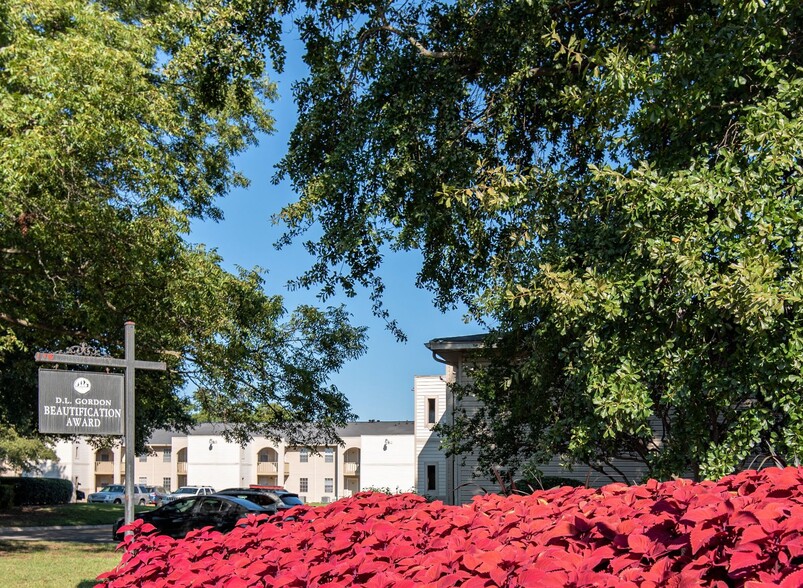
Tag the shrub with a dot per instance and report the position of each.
(38, 490)
(6, 496)
(744, 531)
(544, 483)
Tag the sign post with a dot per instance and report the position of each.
(60, 411)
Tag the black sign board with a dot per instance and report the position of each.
(80, 403)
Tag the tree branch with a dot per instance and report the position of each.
(39, 326)
(423, 51)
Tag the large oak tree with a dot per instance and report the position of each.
(118, 124)
(613, 185)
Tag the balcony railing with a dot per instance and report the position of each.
(351, 468)
(268, 467)
(181, 467)
(104, 467)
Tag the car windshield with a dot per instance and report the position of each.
(184, 505)
(291, 499)
(186, 490)
(112, 489)
(255, 497)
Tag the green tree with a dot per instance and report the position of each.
(118, 124)
(613, 186)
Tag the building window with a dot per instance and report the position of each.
(303, 484)
(432, 406)
(143, 480)
(167, 484)
(167, 455)
(329, 455)
(328, 485)
(432, 477)
(303, 455)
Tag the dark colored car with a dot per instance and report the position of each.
(255, 496)
(179, 517)
(282, 499)
(156, 495)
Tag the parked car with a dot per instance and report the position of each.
(255, 496)
(186, 491)
(115, 494)
(179, 517)
(156, 495)
(282, 498)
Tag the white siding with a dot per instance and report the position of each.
(427, 443)
(388, 462)
(218, 467)
(467, 481)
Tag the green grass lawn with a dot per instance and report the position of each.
(44, 564)
(79, 513)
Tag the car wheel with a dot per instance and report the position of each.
(141, 501)
(118, 501)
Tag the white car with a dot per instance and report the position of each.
(115, 494)
(187, 491)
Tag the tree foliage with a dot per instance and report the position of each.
(614, 186)
(118, 124)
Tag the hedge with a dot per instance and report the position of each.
(38, 490)
(6, 496)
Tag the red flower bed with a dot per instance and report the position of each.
(745, 530)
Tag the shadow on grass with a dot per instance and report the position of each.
(80, 513)
(25, 547)
(22, 547)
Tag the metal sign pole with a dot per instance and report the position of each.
(129, 421)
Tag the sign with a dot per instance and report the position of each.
(80, 403)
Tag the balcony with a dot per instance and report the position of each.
(351, 468)
(268, 468)
(104, 468)
(181, 468)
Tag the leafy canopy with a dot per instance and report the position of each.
(118, 124)
(614, 186)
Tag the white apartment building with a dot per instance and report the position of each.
(375, 454)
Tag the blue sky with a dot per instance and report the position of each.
(379, 384)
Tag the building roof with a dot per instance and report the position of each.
(378, 428)
(448, 350)
(449, 343)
